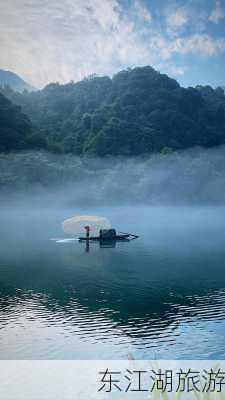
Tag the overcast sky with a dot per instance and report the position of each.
(63, 40)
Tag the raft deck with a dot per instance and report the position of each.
(125, 237)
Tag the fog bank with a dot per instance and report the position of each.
(192, 177)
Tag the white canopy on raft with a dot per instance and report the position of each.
(76, 225)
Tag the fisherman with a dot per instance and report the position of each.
(87, 228)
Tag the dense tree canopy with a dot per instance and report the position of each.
(16, 131)
(137, 111)
(15, 127)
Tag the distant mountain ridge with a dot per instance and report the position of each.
(137, 111)
(8, 78)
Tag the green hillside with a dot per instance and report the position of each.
(137, 111)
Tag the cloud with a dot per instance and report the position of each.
(55, 40)
(177, 19)
(142, 12)
(199, 44)
(176, 70)
(217, 14)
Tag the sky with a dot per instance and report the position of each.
(62, 40)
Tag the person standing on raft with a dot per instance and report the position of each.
(87, 228)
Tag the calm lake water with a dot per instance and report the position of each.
(162, 295)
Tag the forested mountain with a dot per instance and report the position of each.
(15, 128)
(14, 81)
(137, 111)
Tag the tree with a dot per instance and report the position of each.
(15, 127)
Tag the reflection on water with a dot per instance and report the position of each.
(162, 295)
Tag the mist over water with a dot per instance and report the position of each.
(192, 177)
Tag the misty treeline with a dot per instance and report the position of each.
(138, 111)
(190, 177)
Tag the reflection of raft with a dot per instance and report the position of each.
(107, 235)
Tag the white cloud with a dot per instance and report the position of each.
(51, 40)
(176, 20)
(142, 12)
(173, 70)
(198, 44)
(217, 14)
(201, 44)
(176, 70)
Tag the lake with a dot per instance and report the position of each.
(160, 296)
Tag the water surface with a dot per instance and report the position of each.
(162, 295)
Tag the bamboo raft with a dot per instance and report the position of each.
(106, 235)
